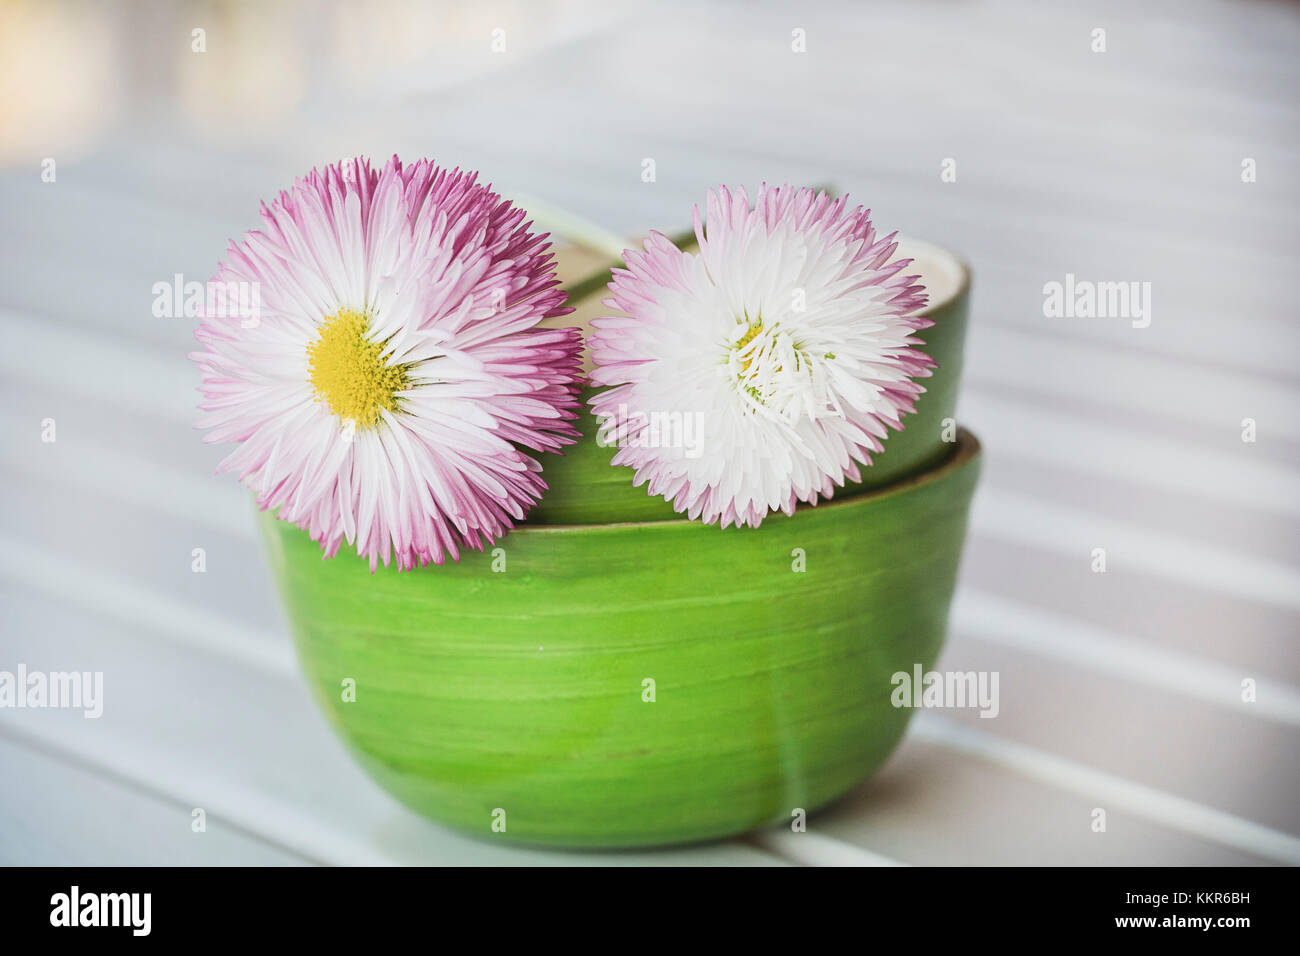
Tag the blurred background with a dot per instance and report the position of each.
(1163, 149)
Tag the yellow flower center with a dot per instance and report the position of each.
(351, 373)
(750, 333)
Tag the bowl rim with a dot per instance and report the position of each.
(907, 247)
(962, 287)
(907, 244)
(967, 450)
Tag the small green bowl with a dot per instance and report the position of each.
(584, 489)
(636, 683)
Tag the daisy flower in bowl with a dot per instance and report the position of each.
(788, 341)
(395, 379)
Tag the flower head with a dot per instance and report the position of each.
(394, 374)
(790, 337)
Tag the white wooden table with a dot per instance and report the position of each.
(1119, 691)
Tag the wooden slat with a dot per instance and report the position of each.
(1107, 790)
(934, 805)
(58, 816)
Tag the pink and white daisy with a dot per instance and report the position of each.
(395, 375)
(789, 337)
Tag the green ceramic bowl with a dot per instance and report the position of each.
(635, 684)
